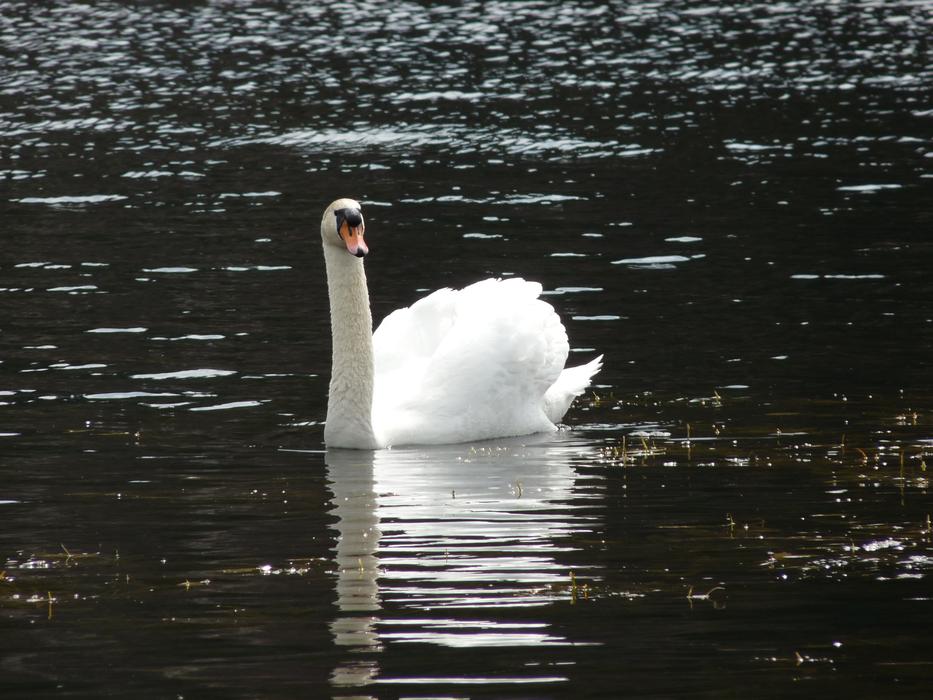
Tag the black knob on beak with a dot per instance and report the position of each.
(353, 217)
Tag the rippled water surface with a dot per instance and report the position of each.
(730, 201)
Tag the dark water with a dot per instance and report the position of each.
(732, 202)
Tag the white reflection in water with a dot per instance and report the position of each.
(452, 530)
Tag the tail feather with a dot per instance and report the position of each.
(572, 382)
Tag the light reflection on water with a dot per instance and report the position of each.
(453, 530)
(475, 78)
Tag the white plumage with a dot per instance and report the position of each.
(477, 363)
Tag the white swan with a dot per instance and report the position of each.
(481, 362)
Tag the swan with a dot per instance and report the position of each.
(482, 362)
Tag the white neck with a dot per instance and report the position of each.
(350, 401)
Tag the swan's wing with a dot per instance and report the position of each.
(467, 364)
(408, 337)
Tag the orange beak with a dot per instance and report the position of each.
(353, 237)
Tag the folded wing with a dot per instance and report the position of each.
(469, 364)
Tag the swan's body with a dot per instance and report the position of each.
(482, 362)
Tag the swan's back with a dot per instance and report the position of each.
(467, 364)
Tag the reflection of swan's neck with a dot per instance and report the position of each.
(349, 405)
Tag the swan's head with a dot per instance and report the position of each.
(342, 226)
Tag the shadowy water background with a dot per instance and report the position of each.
(731, 201)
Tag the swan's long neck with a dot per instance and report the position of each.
(350, 401)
